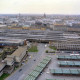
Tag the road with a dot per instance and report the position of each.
(30, 65)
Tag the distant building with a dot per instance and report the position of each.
(3, 26)
(71, 42)
(75, 27)
(60, 26)
(67, 45)
(44, 15)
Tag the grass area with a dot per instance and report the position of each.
(52, 47)
(4, 76)
(33, 49)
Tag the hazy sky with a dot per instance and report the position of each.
(40, 6)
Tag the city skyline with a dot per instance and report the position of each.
(40, 6)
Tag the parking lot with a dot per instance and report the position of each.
(54, 65)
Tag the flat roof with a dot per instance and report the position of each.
(10, 40)
(71, 57)
(69, 63)
(19, 51)
(10, 59)
(75, 36)
(65, 71)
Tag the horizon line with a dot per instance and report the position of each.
(35, 14)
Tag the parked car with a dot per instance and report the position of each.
(20, 70)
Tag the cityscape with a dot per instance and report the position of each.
(40, 46)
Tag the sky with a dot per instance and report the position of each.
(40, 6)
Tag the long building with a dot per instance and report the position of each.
(15, 59)
(11, 42)
(17, 56)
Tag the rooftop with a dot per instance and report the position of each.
(19, 51)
